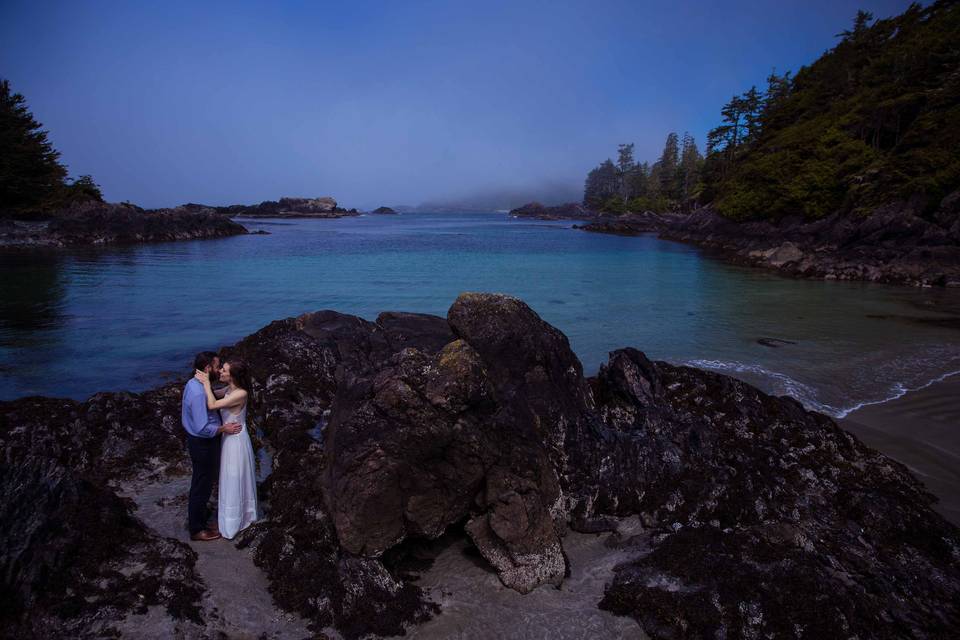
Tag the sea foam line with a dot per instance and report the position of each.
(899, 393)
(806, 394)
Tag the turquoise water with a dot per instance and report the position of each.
(76, 322)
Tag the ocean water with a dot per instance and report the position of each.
(76, 322)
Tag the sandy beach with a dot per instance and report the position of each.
(921, 430)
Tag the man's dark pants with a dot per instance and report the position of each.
(205, 456)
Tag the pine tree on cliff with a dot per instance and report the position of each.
(30, 169)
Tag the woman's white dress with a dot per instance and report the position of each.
(237, 498)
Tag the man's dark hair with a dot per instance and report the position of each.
(203, 360)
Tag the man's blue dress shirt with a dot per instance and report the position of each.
(196, 419)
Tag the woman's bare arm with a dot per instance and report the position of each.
(234, 400)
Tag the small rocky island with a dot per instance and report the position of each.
(324, 207)
(754, 518)
(568, 211)
(384, 211)
(102, 223)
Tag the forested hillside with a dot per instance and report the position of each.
(873, 121)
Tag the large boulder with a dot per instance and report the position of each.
(472, 431)
(300, 366)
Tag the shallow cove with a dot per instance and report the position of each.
(80, 321)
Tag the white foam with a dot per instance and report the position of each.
(900, 391)
(806, 394)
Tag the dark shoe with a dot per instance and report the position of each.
(204, 536)
(214, 529)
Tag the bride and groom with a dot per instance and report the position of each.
(216, 424)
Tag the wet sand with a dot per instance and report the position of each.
(921, 430)
(237, 604)
(474, 605)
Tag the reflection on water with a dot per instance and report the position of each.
(31, 295)
(76, 322)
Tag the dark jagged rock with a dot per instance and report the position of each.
(384, 211)
(568, 211)
(774, 343)
(73, 561)
(421, 331)
(630, 224)
(100, 223)
(769, 520)
(106, 437)
(761, 519)
(895, 244)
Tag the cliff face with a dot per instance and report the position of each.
(759, 517)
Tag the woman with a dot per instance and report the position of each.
(237, 501)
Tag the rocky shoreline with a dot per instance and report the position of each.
(895, 244)
(756, 517)
(99, 223)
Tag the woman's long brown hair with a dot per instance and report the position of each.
(240, 375)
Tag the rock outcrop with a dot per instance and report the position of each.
(568, 211)
(99, 223)
(769, 520)
(760, 519)
(384, 211)
(894, 244)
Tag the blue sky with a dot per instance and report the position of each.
(387, 102)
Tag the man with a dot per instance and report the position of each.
(203, 442)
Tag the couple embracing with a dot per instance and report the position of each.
(216, 424)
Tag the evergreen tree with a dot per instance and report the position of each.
(30, 170)
(688, 172)
(669, 162)
(625, 166)
(778, 88)
(83, 188)
(625, 157)
(725, 138)
(752, 103)
(602, 183)
(860, 25)
(638, 180)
